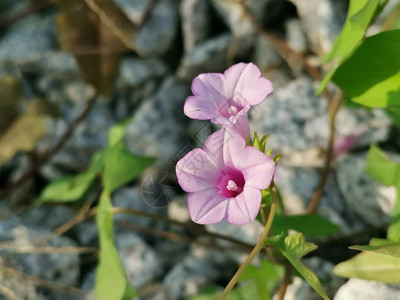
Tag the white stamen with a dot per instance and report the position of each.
(232, 110)
(232, 186)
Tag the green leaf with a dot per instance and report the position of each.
(97, 162)
(381, 242)
(122, 166)
(312, 225)
(371, 266)
(277, 240)
(386, 172)
(392, 250)
(264, 277)
(380, 168)
(207, 293)
(394, 114)
(73, 188)
(117, 132)
(246, 291)
(295, 248)
(260, 144)
(371, 75)
(111, 280)
(68, 189)
(359, 16)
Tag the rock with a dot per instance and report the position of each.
(198, 268)
(137, 80)
(48, 216)
(209, 56)
(249, 234)
(87, 234)
(89, 136)
(233, 14)
(57, 65)
(29, 38)
(142, 264)
(295, 36)
(135, 72)
(265, 57)
(294, 118)
(178, 209)
(369, 126)
(297, 186)
(157, 34)
(367, 290)
(322, 22)
(134, 9)
(78, 92)
(297, 120)
(11, 7)
(61, 268)
(133, 198)
(371, 201)
(146, 135)
(195, 15)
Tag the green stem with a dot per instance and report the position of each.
(252, 254)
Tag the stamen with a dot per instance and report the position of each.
(232, 186)
(232, 110)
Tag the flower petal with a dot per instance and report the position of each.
(196, 171)
(233, 147)
(211, 88)
(213, 146)
(257, 168)
(245, 84)
(241, 126)
(197, 108)
(207, 207)
(243, 209)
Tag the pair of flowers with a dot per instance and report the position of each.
(224, 179)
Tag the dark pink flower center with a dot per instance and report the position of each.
(230, 110)
(231, 183)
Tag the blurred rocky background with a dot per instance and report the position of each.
(139, 57)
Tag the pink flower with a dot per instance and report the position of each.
(224, 179)
(226, 98)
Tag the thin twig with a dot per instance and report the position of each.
(286, 281)
(332, 111)
(47, 250)
(189, 226)
(50, 152)
(84, 213)
(252, 254)
(156, 232)
(149, 10)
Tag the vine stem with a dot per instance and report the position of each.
(252, 254)
(332, 111)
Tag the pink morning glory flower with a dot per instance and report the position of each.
(224, 179)
(226, 98)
